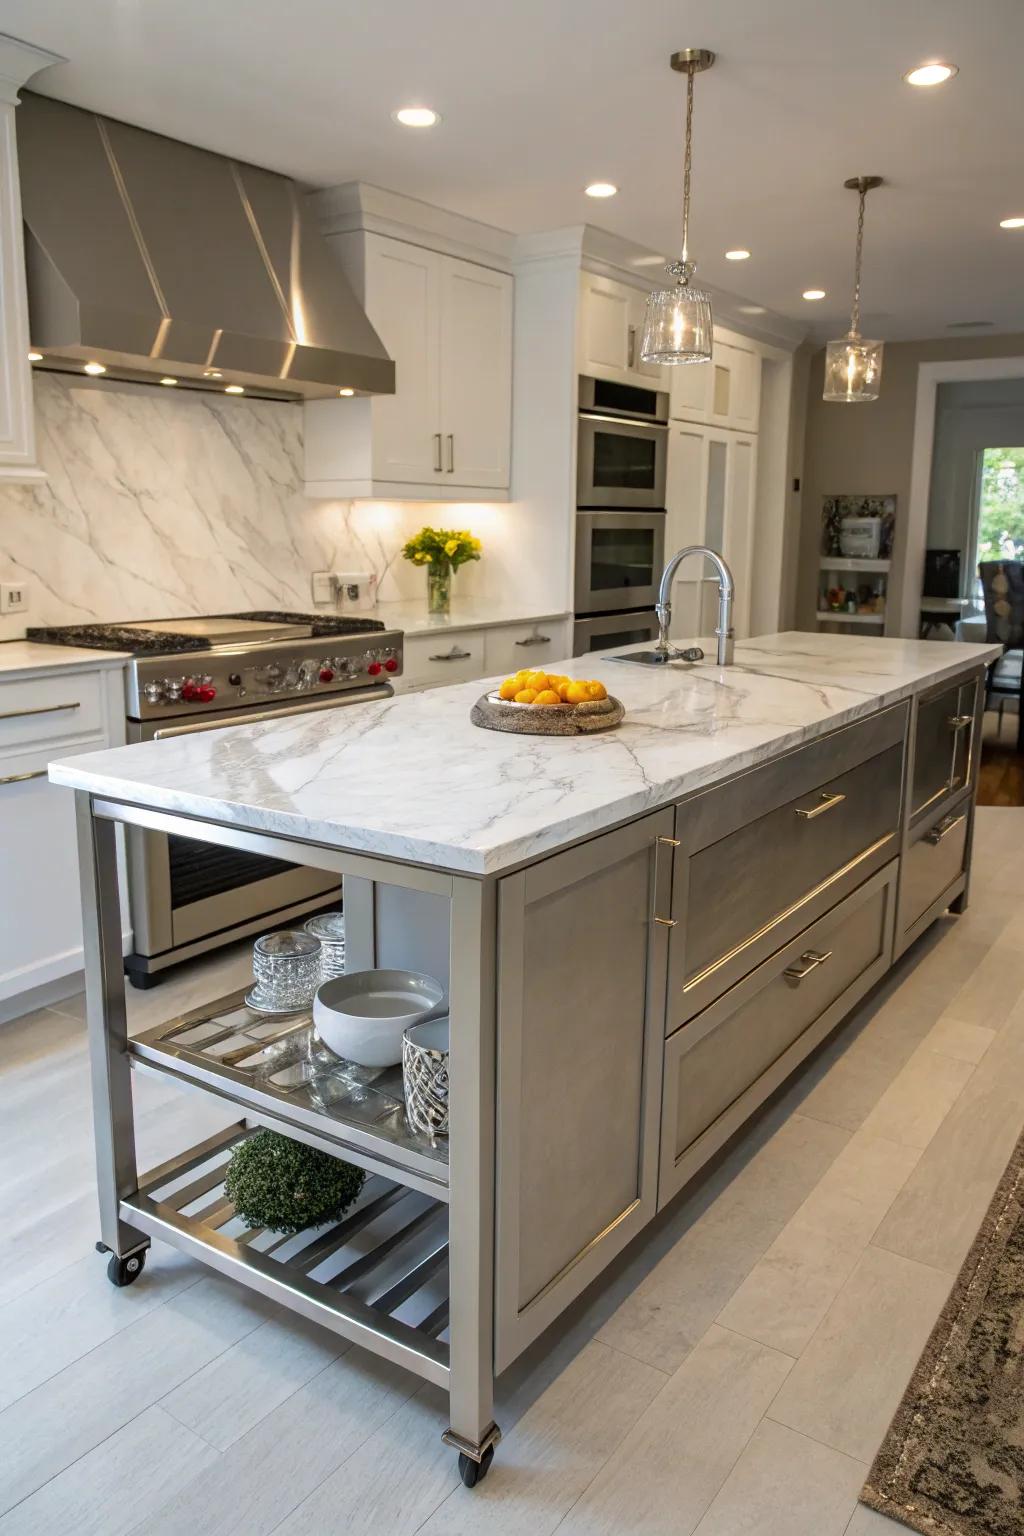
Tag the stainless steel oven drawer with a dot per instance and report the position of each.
(933, 863)
(762, 856)
(723, 1063)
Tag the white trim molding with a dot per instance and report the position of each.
(19, 61)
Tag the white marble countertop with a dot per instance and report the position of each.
(467, 613)
(411, 778)
(27, 658)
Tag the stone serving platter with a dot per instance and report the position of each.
(495, 714)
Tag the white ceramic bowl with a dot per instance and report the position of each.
(363, 1014)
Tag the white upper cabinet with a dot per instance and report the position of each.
(710, 499)
(447, 429)
(611, 324)
(725, 392)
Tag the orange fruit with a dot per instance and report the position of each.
(526, 696)
(508, 689)
(597, 690)
(577, 693)
(563, 690)
(537, 680)
(547, 696)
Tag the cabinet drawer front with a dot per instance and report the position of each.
(443, 658)
(728, 1059)
(943, 746)
(932, 863)
(536, 644)
(743, 894)
(44, 709)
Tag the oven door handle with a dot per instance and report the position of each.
(254, 717)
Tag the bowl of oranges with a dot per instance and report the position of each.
(548, 704)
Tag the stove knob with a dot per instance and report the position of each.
(154, 693)
(326, 675)
(204, 694)
(391, 665)
(374, 668)
(235, 679)
(189, 689)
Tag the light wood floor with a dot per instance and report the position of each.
(735, 1374)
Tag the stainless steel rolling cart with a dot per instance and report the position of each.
(407, 1273)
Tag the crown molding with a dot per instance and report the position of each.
(19, 61)
(360, 206)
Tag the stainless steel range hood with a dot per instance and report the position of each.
(158, 259)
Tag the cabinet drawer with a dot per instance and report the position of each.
(436, 659)
(535, 644)
(932, 863)
(944, 729)
(44, 709)
(725, 1062)
(747, 882)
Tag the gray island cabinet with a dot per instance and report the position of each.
(642, 935)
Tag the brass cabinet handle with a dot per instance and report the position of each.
(452, 655)
(811, 959)
(437, 452)
(535, 639)
(943, 828)
(828, 802)
(451, 453)
(44, 709)
(659, 843)
(20, 778)
(959, 722)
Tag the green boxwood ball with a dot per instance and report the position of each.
(283, 1185)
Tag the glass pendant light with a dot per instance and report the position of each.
(677, 324)
(853, 366)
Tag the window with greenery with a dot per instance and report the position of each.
(1001, 505)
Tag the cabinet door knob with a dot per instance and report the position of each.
(828, 802)
(808, 962)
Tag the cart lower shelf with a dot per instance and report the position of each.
(378, 1277)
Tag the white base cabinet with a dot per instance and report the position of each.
(446, 432)
(442, 656)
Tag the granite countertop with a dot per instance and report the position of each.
(467, 613)
(26, 658)
(411, 778)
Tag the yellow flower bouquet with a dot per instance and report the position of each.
(441, 551)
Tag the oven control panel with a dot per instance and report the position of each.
(241, 677)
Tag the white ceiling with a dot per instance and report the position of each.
(540, 97)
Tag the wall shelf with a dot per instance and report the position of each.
(849, 563)
(828, 617)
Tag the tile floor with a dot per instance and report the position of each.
(734, 1373)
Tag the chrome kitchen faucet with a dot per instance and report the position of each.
(665, 651)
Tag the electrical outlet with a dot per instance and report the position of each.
(325, 588)
(14, 597)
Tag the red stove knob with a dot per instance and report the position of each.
(326, 675)
(391, 665)
(374, 669)
(205, 694)
(188, 691)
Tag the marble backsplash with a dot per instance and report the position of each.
(159, 505)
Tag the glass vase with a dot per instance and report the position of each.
(439, 589)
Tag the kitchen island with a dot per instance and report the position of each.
(642, 934)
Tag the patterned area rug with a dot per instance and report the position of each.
(952, 1463)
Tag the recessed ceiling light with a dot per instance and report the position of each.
(1014, 223)
(814, 293)
(601, 189)
(234, 389)
(416, 117)
(168, 380)
(753, 309)
(95, 369)
(346, 391)
(737, 255)
(934, 73)
(35, 357)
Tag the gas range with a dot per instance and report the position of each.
(238, 662)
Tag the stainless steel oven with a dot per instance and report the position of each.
(619, 560)
(622, 449)
(611, 630)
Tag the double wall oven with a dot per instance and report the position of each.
(621, 467)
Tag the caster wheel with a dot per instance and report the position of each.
(473, 1472)
(125, 1271)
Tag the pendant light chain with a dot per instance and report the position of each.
(687, 160)
(855, 313)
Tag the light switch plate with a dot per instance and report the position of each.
(14, 597)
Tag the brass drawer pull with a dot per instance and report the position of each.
(452, 655)
(659, 843)
(959, 722)
(44, 709)
(828, 803)
(21, 778)
(811, 959)
(943, 828)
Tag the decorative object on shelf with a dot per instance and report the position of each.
(853, 366)
(286, 969)
(835, 510)
(425, 1076)
(860, 537)
(678, 322)
(329, 928)
(362, 1015)
(285, 1186)
(441, 551)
